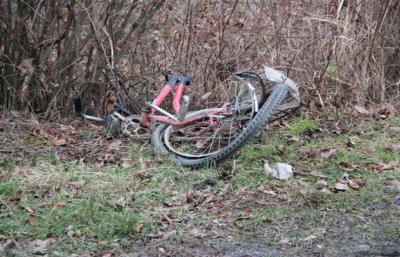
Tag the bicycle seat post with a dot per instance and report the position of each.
(184, 107)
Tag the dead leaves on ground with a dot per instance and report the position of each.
(39, 246)
(196, 233)
(380, 113)
(328, 152)
(323, 153)
(343, 184)
(384, 166)
(5, 244)
(391, 185)
(75, 141)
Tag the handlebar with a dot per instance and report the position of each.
(174, 79)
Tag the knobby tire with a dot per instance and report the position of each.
(262, 117)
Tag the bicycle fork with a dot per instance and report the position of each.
(180, 102)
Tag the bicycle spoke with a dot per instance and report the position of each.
(207, 137)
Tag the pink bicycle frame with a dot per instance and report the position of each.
(176, 103)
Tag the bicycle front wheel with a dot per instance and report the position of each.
(207, 136)
(261, 118)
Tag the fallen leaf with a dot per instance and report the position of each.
(326, 191)
(16, 197)
(317, 174)
(391, 185)
(391, 182)
(141, 175)
(41, 245)
(281, 171)
(384, 166)
(354, 184)
(30, 209)
(16, 172)
(328, 152)
(345, 176)
(265, 191)
(393, 147)
(139, 227)
(190, 197)
(77, 184)
(6, 245)
(127, 163)
(163, 217)
(32, 221)
(310, 238)
(361, 110)
(293, 139)
(163, 236)
(341, 186)
(383, 112)
(107, 253)
(284, 241)
(58, 142)
(351, 142)
(348, 166)
(321, 184)
(248, 210)
(196, 233)
(74, 233)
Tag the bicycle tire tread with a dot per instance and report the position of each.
(261, 118)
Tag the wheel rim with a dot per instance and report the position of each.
(208, 136)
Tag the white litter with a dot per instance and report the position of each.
(281, 171)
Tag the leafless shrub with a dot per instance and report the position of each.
(74, 45)
(341, 52)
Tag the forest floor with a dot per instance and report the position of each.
(67, 191)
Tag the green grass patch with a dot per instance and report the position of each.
(301, 125)
(91, 208)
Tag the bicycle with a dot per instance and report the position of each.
(211, 135)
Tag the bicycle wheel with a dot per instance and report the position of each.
(157, 137)
(262, 117)
(209, 135)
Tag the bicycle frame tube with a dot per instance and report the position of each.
(167, 120)
(176, 103)
(161, 96)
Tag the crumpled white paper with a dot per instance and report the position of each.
(280, 170)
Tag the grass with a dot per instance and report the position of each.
(92, 208)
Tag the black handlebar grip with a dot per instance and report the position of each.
(77, 102)
(185, 81)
